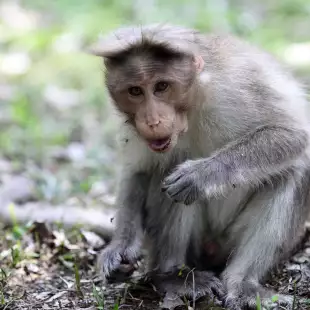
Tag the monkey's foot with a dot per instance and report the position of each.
(114, 255)
(190, 283)
(249, 295)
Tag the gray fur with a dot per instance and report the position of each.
(273, 148)
(240, 176)
(126, 244)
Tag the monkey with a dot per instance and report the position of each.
(214, 145)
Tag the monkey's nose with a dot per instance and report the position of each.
(153, 123)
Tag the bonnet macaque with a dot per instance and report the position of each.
(215, 160)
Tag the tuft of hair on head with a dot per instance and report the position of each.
(176, 39)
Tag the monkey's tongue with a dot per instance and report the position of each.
(159, 144)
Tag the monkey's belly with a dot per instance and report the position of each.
(222, 212)
(206, 222)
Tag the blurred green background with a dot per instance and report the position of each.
(55, 123)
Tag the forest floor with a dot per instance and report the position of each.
(50, 267)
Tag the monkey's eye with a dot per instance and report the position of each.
(161, 86)
(135, 91)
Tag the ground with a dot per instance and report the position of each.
(45, 267)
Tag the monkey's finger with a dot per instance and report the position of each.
(126, 268)
(183, 192)
(192, 196)
(191, 290)
(179, 192)
(206, 279)
(108, 261)
(173, 178)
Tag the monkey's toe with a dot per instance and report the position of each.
(251, 303)
(192, 284)
(250, 296)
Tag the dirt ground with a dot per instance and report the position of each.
(53, 268)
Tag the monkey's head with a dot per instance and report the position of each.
(150, 76)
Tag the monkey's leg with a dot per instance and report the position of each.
(128, 237)
(263, 234)
(170, 226)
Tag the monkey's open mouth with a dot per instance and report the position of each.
(159, 145)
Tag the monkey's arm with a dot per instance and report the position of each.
(127, 239)
(130, 201)
(252, 159)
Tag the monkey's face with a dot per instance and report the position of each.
(153, 91)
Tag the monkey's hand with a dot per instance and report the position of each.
(116, 254)
(196, 178)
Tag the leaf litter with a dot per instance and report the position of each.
(54, 268)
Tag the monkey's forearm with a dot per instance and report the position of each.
(127, 239)
(259, 154)
(250, 160)
(130, 201)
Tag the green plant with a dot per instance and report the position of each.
(78, 281)
(98, 298)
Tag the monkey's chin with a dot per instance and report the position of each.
(160, 145)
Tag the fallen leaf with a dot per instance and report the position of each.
(93, 239)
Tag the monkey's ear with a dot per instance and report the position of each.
(199, 63)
